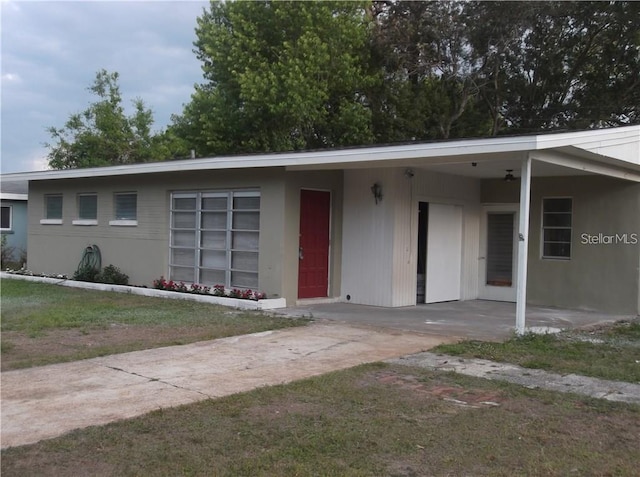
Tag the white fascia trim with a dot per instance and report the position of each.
(10, 196)
(50, 221)
(123, 223)
(342, 157)
(586, 165)
(85, 222)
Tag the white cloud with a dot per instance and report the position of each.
(37, 160)
(11, 78)
(52, 50)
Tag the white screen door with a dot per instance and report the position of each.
(499, 246)
(444, 253)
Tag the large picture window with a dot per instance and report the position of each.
(556, 227)
(215, 237)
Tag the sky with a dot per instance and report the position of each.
(51, 51)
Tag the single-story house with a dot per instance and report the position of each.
(13, 218)
(550, 219)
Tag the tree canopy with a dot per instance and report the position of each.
(104, 135)
(293, 75)
(282, 75)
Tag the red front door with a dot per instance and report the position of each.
(313, 261)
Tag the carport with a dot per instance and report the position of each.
(470, 319)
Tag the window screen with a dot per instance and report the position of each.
(126, 206)
(88, 207)
(53, 206)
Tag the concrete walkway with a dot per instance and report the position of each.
(531, 378)
(48, 401)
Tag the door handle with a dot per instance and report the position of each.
(300, 253)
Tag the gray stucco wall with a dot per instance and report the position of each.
(17, 236)
(602, 276)
(142, 251)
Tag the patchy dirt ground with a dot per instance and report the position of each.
(372, 420)
(20, 350)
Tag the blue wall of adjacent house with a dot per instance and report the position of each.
(17, 236)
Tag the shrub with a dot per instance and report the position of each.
(6, 252)
(112, 275)
(85, 274)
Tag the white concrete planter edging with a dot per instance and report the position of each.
(265, 304)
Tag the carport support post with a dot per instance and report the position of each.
(523, 244)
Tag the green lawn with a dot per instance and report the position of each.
(607, 352)
(44, 323)
(372, 420)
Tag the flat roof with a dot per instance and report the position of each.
(613, 145)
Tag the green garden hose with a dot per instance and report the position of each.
(91, 259)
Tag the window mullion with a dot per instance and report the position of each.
(229, 237)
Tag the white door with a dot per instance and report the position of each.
(444, 253)
(498, 246)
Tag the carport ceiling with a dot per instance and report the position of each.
(498, 168)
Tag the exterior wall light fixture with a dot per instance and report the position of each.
(376, 190)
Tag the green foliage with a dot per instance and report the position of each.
(104, 135)
(280, 76)
(6, 252)
(112, 275)
(85, 274)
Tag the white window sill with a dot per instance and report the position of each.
(123, 223)
(85, 222)
(51, 221)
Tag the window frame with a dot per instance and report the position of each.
(48, 219)
(544, 227)
(230, 250)
(10, 227)
(86, 220)
(119, 219)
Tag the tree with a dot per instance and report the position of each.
(460, 68)
(280, 76)
(103, 135)
(430, 76)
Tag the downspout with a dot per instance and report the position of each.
(523, 244)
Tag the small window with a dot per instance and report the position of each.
(87, 210)
(556, 227)
(52, 210)
(126, 206)
(5, 217)
(87, 207)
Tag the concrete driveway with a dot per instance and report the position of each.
(45, 402)
(48, 401)
(472, 319)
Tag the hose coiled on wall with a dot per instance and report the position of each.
(91, 259)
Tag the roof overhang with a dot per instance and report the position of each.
(615, 149)
(9, 196)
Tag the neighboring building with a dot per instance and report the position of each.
(387, 226)
(13, 217)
